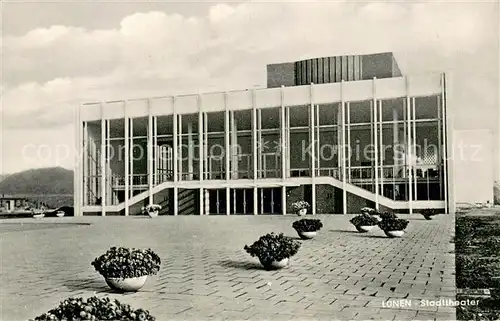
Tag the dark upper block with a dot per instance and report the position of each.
(332, 69)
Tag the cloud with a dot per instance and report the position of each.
(48, 71)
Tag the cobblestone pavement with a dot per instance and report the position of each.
(206, 274)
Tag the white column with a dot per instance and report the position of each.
(254, 138)
(190, 155)
(201, 200)
(313, 148)
(150, 154)
(288, 144)
(234, 146)
(179, 149)
(343, 164)
(227, 150)
(205, 148)
(283, 142)
(381, 149)
(84, 171)
(375, 140)
(348, 129)
(449, 127)
(414, 147)
(155, 150)
(284, 199)
(127, 160)
(201, 148)
(409, 149)
(444, 153)
(228, 201)
(103, 162)
(131, 160)
(175, 157)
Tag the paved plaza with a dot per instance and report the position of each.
(206, 274)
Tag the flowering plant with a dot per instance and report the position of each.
(273, 247)
(151, 208)
(307, 225)
(388, 216)
(94, 308)
(364, 220)
(369, 211)
(393, 224)
(127, 263)
(300, 205)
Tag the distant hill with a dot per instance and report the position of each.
(53, 186)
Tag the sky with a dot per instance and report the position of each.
(58, 54)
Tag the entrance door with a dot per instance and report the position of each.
(270, 200)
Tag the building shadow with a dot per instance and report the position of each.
(92, 285)
(241, 265)
(345, 231)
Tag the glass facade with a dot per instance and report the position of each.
(393, 147)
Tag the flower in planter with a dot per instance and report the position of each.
(151, 208)
(127, 263)
(369, 211)
(307, 228)
(94, 308)
(388, 216)
(364, 220)
(273, 247)
(393, 224)
(300, 205)
(307, 225)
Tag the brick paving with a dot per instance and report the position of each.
(206, 274)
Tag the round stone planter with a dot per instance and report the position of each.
(153, 214)
(60, 214)
(41, 215)
(275, 265)
(127, 284)
(365, 228)
(302, 212)
(307, 235)
(394, 233)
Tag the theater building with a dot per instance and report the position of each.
(339, 132)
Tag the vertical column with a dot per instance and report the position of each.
(206, 157)
(443, 170)
(313, 148)
(254, 154)
(155, 150)
(283, 142)
(375, 140)
(201, 144)
(284, 153)
(347, 124)
(449, 137)
(408, 148)
(190, 155)
(201, 153)
(180, 174)
(84, 172)
(175, 157)
(150, 154)
(131, 160)
(261, 169)
(234, 146)
(381, 149)
(343, 152)
(103, 161)
(227, 153)
(127, 159)
(395, 141)
(414, 147)
(227, 150)
(288, 144)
